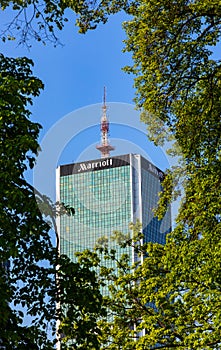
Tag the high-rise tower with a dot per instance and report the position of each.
(108, 194)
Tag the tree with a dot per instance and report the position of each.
(170, 301)
(176, 76)
(24, 235)
(41, 19)
(33, 277)
(174, 297)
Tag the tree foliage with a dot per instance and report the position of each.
(173, 299)
(176, 76)
(24, 235)
(33, 277)
(170, 301)
(40, 20)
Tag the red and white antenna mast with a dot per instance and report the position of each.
(104, 147)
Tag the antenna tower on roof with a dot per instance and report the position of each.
(104, 147)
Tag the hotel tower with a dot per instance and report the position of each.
(108, 194)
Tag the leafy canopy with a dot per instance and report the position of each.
(30, 281)
(41, 19)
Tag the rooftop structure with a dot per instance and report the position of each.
(105, 148)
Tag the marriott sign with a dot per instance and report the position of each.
(95, 165)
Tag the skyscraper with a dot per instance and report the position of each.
(108, 194)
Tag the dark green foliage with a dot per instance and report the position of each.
(33, 278)
(24, 237)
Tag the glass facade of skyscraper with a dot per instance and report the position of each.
(108, 194)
